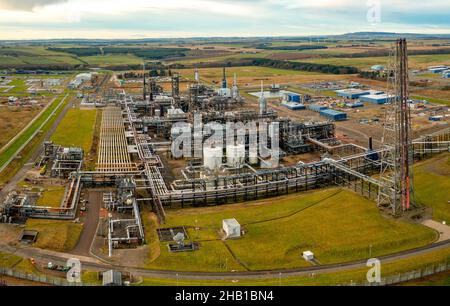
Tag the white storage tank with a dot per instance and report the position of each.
(212, 157)
(236, 155)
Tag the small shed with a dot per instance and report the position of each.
(232, 228)
(308, 255)
(112, 278)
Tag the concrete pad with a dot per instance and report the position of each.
(444, 230)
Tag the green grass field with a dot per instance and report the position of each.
(337, 225)
(52, 196)
(76, 129)
(432, 185)
(11, 261)
(61, 236)
(432, 100)
(35, 55)
(319, 279)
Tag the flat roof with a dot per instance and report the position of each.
(351, 91)
(377, 97)
(332, 112)
(231, 222)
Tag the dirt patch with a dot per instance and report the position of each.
(9, 233)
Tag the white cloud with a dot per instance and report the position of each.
(107, 18)
(26, 5)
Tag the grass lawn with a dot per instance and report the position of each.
(432, 100)
(337, 225)
(76, 129)
(322, 279)
(52, 196)
(55, 235)
(11, 261)
(432, 185)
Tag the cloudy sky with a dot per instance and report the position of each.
(42, 19)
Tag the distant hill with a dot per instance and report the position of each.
(390, 35)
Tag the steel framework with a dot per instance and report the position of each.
(396, 189)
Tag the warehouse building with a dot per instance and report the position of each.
(316, 107)
(352, 93)
(291, 97)
(333, 114)
(376, 99)
(437, 69)
(354, 105)
(293, 106)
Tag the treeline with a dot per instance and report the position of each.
(382, 53)
(291, 48)
(373, 75)
(159, 53)
(146, 53)
(278, 64)
(311, 67)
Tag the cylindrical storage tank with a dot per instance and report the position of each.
(236, 155)
(212, 157)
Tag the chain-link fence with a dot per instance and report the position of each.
(46, 279)
(406, 276)
(385, 281)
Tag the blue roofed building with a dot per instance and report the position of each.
(333, 114)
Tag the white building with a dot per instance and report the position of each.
(79, 79)
(232, 228)
(308, 255)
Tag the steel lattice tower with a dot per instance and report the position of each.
(396, 190)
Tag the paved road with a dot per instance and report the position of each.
(90, 223)
(44, 256)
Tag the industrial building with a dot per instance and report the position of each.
(293, 106)
(80, 79)
(292, 97)
(231, 228)
(316, 107)
(333, 114)
(438, 69)
(376, 99)
(352, 93)
(354, 105)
